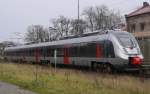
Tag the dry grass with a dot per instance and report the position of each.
(70, 81)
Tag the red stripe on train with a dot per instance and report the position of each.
(37, 55)
(66, 54)
(98, 51)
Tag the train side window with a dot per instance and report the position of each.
(52, 52)
(82, 51)
(91, 52)
(30, 52)
(18, 53)
(33, 52)
(60, 52)
(74, 51)
(43, 52)
(46, 51)
(71, 52)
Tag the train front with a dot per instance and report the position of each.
(128, 50)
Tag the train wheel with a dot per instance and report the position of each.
(97, 67)
(94, 66)
(107, 68)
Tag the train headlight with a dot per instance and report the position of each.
(135, 60)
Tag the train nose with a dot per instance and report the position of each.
(135, 60)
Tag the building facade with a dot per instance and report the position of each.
(138, 22)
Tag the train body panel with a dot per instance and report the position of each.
(114, 47)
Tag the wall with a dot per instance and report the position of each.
(137, 20)
(145, 48)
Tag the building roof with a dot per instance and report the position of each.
(142, 10)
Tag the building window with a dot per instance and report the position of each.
(142, 25)
(133, 27)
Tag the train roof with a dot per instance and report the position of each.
(100, 36)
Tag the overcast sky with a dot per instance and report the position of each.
(17, 15)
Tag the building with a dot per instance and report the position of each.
(138, 22)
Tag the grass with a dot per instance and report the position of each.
(69, 81)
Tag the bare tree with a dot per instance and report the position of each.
(36, 34)
(78, 30)
(89, 16)
(94, 18)
(101, 17)
(53, 34)
(62, 25)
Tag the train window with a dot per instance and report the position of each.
(74, 51)
(126, 40)
(43, 51)
(82, 51)
(52, 52)
(86, 50)
(60, 52)
(91, 50)
(16, 53)
(48, 52)
(8, 53)
(25, 52)
(71, 52)
(29, 52)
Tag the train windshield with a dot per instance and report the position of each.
(126, 40)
